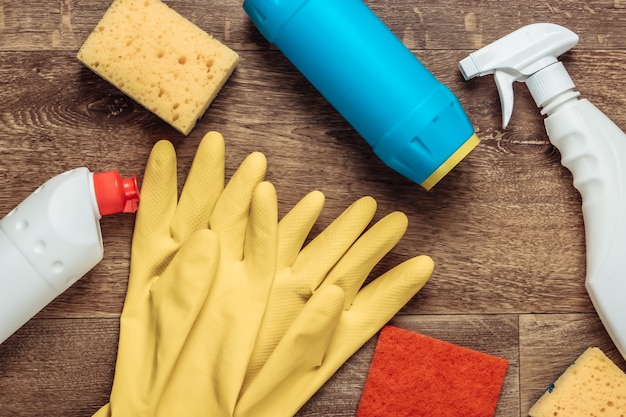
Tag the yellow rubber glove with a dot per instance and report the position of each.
(174, 259)
(212, 365)
(318, 314)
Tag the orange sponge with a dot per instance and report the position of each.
(415, 375)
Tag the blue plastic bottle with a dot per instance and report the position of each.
(412, 121)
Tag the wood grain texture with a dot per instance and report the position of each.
(550, 342)
(504, 228)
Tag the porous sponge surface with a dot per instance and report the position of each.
(160, 59)
(412, 375)
(592, 386)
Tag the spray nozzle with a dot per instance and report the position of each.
(518, 56)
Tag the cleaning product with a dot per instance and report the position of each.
(53, 238)
(416, 375)
(592, 385)
(160, 59)
(413, 122)
(592, 147)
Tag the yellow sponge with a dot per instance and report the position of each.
(592, 386)
(160, 59)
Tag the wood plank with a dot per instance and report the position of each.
(58, 367)
(488, 334)
(504, 228)
(453, 25)
(550, 342)
(68, 364)
(501, 241)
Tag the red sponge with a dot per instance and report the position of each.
(418, 376)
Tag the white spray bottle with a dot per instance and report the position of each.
(53, 238)
(592, 147)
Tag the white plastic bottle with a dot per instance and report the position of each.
(592, 147)
(53, 238)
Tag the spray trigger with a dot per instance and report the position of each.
(504, 83)
(517, 57)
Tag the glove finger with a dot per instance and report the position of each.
(373, 307)
(104, 411)
(227, 329)
(293, 287)
(152, 244)
(230, 216)
(301, 351)
(323, 252)
(294, 228)
(177, 298)
(260, 242)
(202, 188)
(355, 266)
(152, 247)
(382, 298)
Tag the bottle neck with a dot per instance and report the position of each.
(551, 87)
(552, 105)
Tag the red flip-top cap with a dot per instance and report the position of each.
(115, 194)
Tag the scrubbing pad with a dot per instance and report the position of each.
(592, 386)
(160, 59)
(415, 375)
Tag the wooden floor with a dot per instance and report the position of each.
(505, 228)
